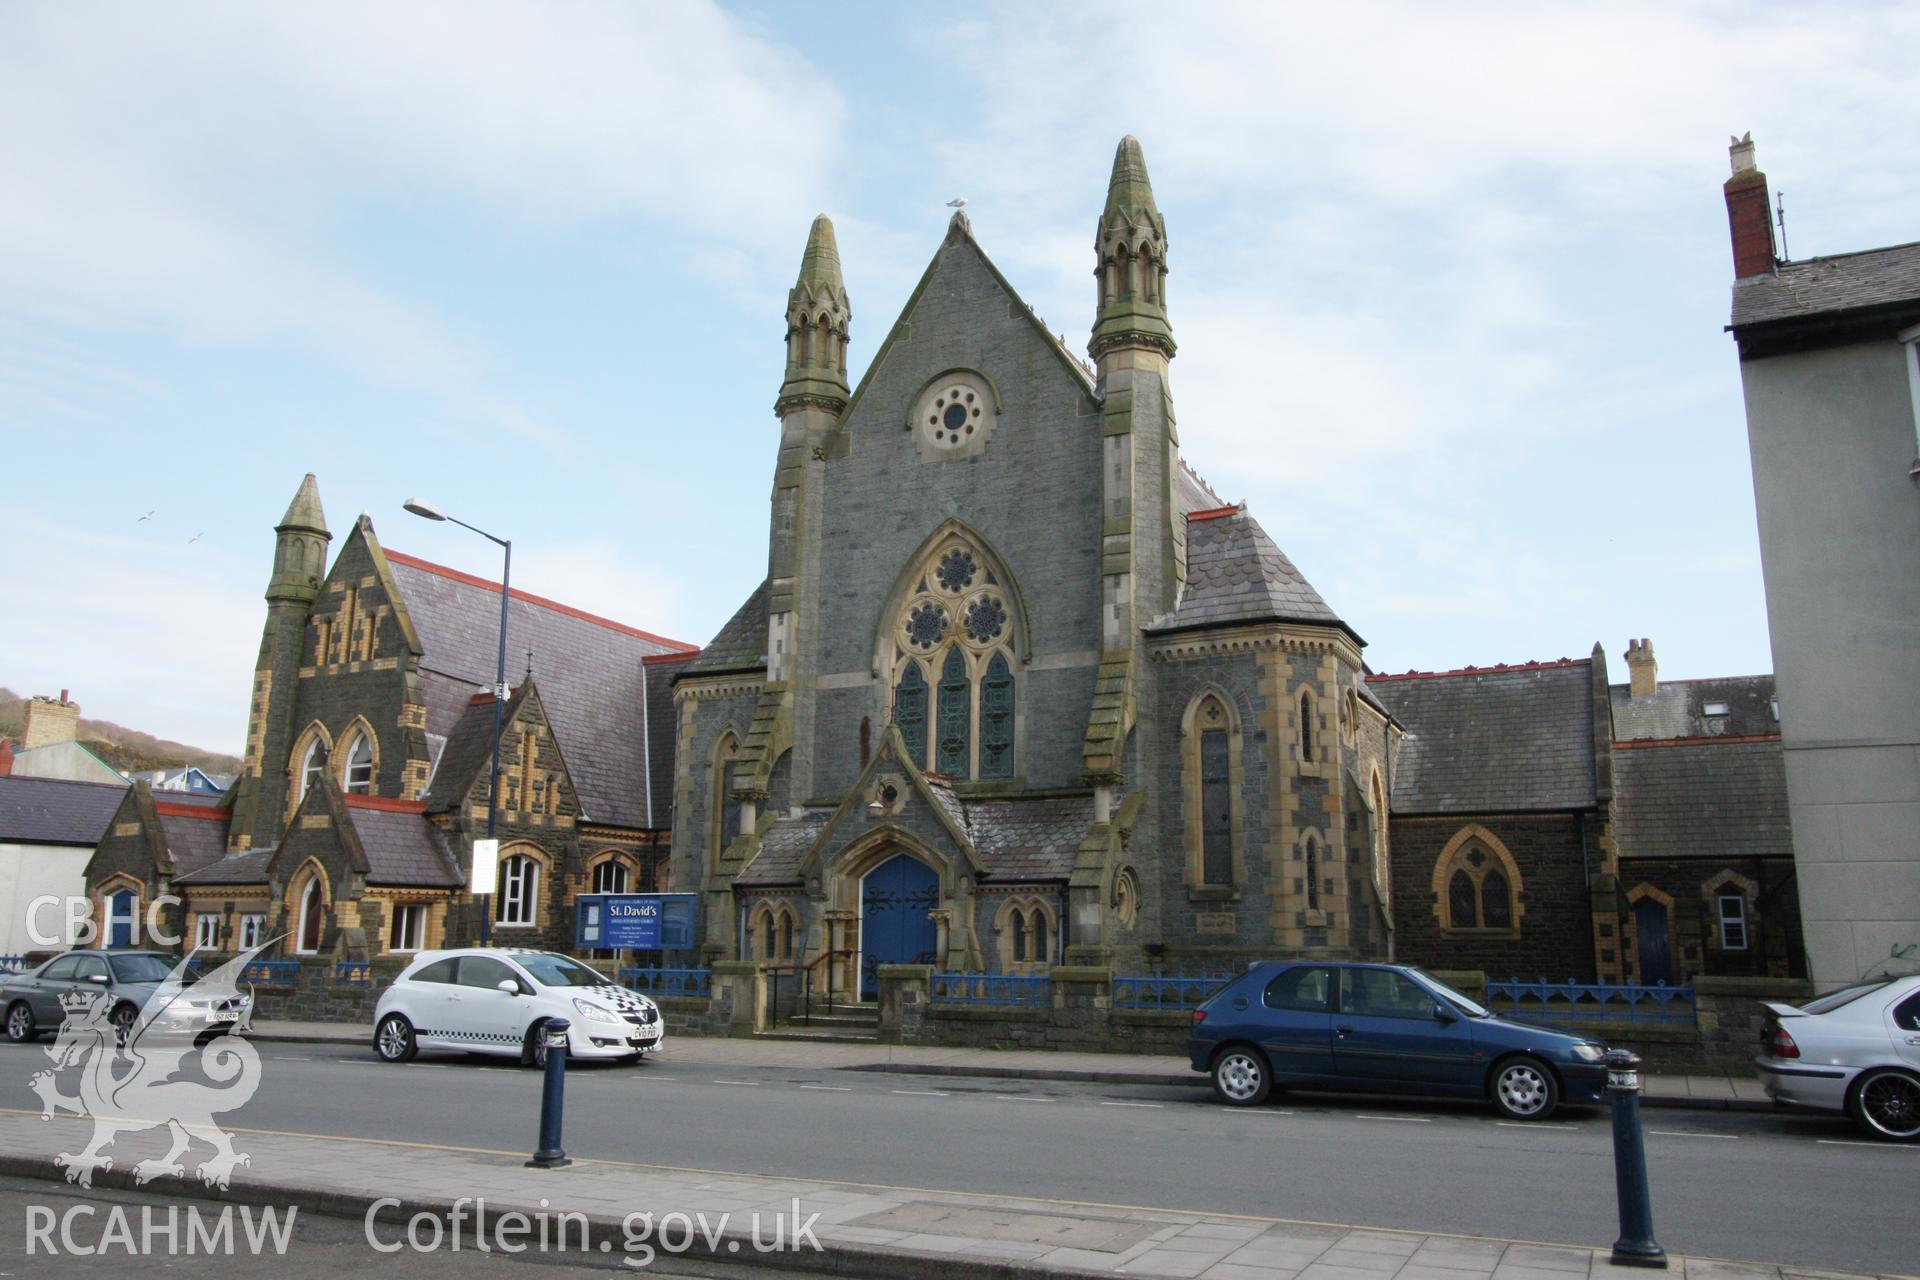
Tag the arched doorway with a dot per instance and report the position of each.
(895, 927)
(1656, 952)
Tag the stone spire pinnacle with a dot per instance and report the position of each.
(818, 315)
(300, 547)
(1131, 244)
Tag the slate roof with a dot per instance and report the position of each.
(1827, 286)
(1706, 800)
(1511, 740)
(588, 670)
(1677, 709)
(193, 842)
(236, 868)
(403, 848)
(662, 728)
(55, 811)
(468, 750)
(1192, 493)
(741, 644)
(1017, 840)
(1236, 574)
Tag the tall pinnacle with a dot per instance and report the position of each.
(1129, 191)
(818, 314)
(304, 511)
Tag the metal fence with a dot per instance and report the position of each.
(1166, 991)
(1571, 1001)
(353, 973)
(272, 973)
(991, 988)
(13, 964)
(668, 982)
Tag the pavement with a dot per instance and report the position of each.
(1698, 1092)
(807, 1225)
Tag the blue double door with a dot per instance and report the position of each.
(895, 928)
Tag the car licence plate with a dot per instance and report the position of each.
(224, 1015)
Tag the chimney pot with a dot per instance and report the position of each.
(1749, 213)
(1644, 671)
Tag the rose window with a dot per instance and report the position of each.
(926, 626)
(986, 619)
(956, 571)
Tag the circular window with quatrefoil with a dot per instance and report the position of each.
(954, 414)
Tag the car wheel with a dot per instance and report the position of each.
(1524, 1089)
(20, 1025)
(394, 1040)
(1886, 1103)
(534, 1052)
(123, 1018)
(1241, 1077)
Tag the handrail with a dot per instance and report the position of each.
(806, 998)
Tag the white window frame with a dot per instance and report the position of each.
(252, 925)
(309, 901)
(600, 870)
(1910, 337)
(309, 770)
(362, 785)
(410, 923)
(519, 896)
(1737, 921)
(206, 931)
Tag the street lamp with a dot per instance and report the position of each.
(426, 510)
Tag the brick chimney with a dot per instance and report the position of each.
(6, 757)
(1645, 671)
(50, 721)
(1749, 213)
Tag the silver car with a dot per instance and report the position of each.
(35, 1002)
(1855, 1050)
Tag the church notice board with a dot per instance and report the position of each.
(634, 921)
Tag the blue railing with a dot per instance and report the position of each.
(1571, 1001)
(272, 973)
(13, 964)
(1166, 991)
(668, 982)
(353, 973)
(991, 988)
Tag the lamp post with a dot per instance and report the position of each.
(426, 510)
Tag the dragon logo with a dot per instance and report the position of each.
(143, 1076)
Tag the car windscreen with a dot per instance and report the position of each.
(139, 968)
(558, 971)
(1469, 1007)
(1837, 999)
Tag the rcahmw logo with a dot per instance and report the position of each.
(85, 1231)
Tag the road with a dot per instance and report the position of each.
(1765, 1187)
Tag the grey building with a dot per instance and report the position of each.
(1828, 366)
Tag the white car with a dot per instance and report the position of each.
(496, 1000)
(1856, 1050)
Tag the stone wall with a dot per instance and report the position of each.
(1080, 1017)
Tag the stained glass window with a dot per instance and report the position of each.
(1496, 902)
(956, 699)
(1463, 906)
(996, 720)
(986, 618)
(956, 570)
(926, 626)
(910, 713)
(1216, 808)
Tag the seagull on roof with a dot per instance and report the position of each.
(958, 202)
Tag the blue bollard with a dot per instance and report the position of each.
(553, 1094)
(1636, 1246)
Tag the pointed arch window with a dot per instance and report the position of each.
(1211, 785)
(610, 876)
(956, 706)
(1476, 883)
(519, 895)
(996, 720)
(359, 775)
(313, 765)
(910, 711)
(312, 918)
(1306, 727)
(1216, 808)
(1313, 874)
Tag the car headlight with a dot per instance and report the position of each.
(1589, 1052)
(593, 1012)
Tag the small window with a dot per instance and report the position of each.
(360, 765)
(1716, 709)
(1773, 707)
(251, 927)
(1303, 990)
(438, 971)
(312, 766)
(519, 891)
(610, 877)
(206, 932)
(409, 927)
(1313, 875)
(1733, 922)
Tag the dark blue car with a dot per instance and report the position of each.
(1382, 1028)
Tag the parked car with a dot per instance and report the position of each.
(129, 979)
(1382, 1028)
(1856, 1050)
(496, 1000)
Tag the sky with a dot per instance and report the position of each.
(1449, 284)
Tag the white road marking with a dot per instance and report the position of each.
(920, 1093)
(1018, 1097)
(1155, 1105)
(287, 1058)
(1248, 1111)
(745, 1084)
(1401, 1119)
(830, 1088)
(1683, 1133)
(1877, 1146)
(1532, 1124)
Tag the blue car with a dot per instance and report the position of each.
(1383, 1028)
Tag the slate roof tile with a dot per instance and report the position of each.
(1707, 799)
(235, 868)
(192, 842)
(1493, 741)
(784, 847)
(1236, 574)
(403, 849)
(56, 811)
(1824, 286)
(1677, 709)
(741, 644)
(1029, 839)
